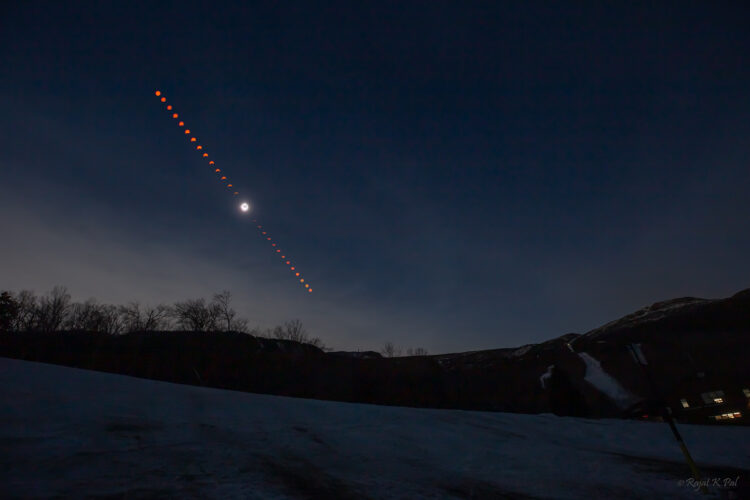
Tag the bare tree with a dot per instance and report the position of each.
(111, 319)
(317, 342)
(130, 317)
(8, 311)
(224, 312)
(28, 311)
(156, 318)
(390, 351)
(418, 351)
(294, 330)
(83, 316)
(195, 315)
(240, 325)
(134, 318)
(104, 318)
(53, 309)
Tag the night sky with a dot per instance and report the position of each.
(454, 176)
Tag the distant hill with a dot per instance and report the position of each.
(697, 352)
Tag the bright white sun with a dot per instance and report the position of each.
(245, 207)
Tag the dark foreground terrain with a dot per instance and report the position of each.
(69, 433)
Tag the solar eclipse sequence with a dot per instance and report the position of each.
(244, 206)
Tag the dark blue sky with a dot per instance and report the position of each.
(449, 175)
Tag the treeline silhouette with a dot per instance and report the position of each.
(204, 342)
(56, 312)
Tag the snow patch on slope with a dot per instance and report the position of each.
(604, 382)
(545, 376)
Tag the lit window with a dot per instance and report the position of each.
(727, 416)
(715, 397)
(684, 403)
(746, 392)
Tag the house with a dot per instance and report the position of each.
(710, 398)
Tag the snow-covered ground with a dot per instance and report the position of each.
(73, 433)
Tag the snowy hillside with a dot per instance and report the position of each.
(69, 432)
(654, 312)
